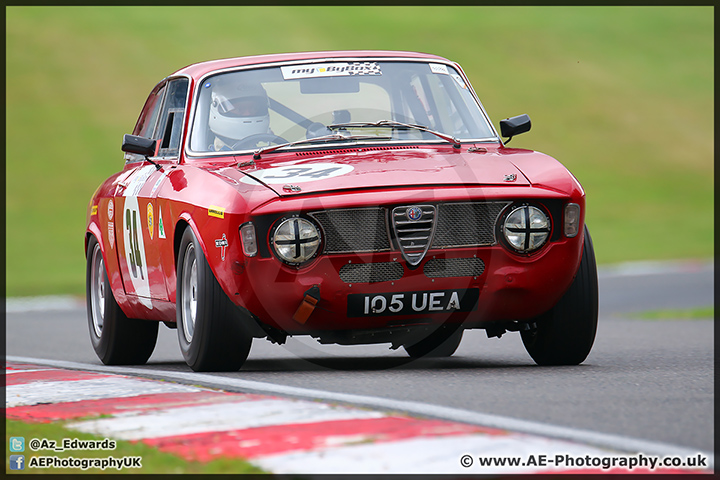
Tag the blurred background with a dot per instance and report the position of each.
(623, 96)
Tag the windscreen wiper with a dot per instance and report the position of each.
(323, 138)
(393, 124)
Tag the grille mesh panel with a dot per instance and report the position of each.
(354, 230)
(351, 230)
(453, 267)
(466, 224)
(371, 272)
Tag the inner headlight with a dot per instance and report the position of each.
(526, 229)
(295, 240)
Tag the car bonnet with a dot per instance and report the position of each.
(381, 168)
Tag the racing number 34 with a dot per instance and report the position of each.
(304, 172)
(135, 262)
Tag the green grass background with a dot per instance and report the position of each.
(623, 96)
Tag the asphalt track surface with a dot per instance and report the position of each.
(650, 380)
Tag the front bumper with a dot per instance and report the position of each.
(509, 288)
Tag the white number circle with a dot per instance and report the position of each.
(298, 173)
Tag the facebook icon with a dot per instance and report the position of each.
(17, 462)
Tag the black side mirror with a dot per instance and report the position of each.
(514, 126)
(139, 145)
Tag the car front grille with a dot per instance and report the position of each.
(365, 230)
(414, 235)
(371, 272)
(453, 267)
(467, 224)
(354, 230)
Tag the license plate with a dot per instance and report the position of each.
(412, 303)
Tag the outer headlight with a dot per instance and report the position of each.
(295, 240)
(526, 228)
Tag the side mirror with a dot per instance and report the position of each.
(140, 145)
(514, 126)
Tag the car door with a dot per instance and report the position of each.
(139, 204)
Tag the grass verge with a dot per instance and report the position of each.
(683, 314)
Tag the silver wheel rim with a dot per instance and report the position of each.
(97, 290)
(189, 293)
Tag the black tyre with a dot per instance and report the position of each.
(565, 334)
(441, 343)
(116, 339)
(212, 331)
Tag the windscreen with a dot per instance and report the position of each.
(254, 108)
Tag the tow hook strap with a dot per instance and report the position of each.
(310, 299)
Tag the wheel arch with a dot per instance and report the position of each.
(112, 266)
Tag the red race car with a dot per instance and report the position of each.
(357, 197)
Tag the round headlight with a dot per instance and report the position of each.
(296, 240)
(526, 228)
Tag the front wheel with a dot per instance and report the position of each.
(116, 339)
(566, 333)
(212, 331)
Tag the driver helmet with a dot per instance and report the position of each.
(239, 110)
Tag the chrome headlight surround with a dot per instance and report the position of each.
(526, 228)
(295, 240)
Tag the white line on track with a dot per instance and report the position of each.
(615, 442)
(43, 304)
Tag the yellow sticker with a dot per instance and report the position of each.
(215, 211)
(93, 211)
(150, 220)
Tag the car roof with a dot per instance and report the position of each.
(198, 70)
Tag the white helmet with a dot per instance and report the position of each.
(238, 111)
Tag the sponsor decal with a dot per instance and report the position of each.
(139, 177)
(291, 175)
(459, 81)
(222, 244)
(150, 220)
(337, 69)
(93, 210)
(439, 68)
(111, 234)
(215, 211)
(161, 225)
(158, 182)
(111, 209)
(443, 70)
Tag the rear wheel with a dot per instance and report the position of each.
(565, 334)
(116, 339)
(212, 331)
(441, 343)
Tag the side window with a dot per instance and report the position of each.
(147, 122)
(149, 116)
(169, 128)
